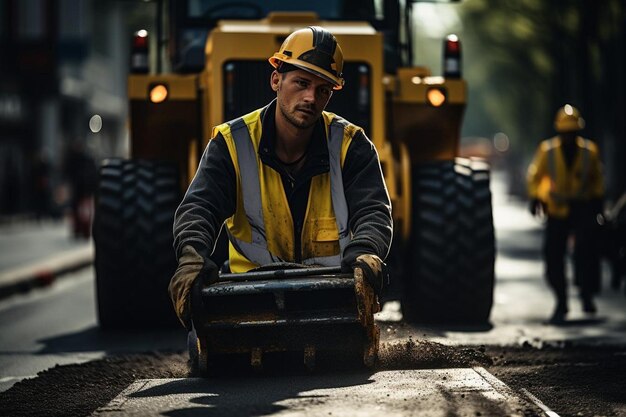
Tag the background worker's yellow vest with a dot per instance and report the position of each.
(261, 231)
(553, 182)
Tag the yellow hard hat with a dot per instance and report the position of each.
(315, 50)
(568, 119)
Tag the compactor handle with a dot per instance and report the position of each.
(281, 273)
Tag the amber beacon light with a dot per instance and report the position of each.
(436, 96)
(158, 93)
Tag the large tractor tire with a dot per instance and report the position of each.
(476, 278)
(450, 259)
(134, 257)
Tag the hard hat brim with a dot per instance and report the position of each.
(337, 82)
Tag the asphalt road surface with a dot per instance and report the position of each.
(50, 337)
(57, 325)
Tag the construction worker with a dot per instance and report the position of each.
(289, 182)
(565, 184)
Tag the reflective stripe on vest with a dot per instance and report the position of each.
(257, 250)
(584, 170)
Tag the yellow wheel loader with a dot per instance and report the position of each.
(442, 257)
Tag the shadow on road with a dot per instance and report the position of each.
(94, 340)
(248, 397)
(581, 322)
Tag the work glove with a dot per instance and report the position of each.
(537, 207)
(374, 270)
(193, 269)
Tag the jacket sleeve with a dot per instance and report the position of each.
(369, 207)
(536, 171)
(210, 199)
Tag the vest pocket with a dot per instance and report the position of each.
(325, 237)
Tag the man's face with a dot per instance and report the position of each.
(301, 96)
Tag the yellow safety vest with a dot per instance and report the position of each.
(553, 182)
(261, 231)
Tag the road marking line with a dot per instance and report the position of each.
(11, 378)
(539, 404)
(501, 386)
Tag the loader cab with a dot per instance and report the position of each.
(191, 21)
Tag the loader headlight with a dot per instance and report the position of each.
(436, 96)
(158, 93)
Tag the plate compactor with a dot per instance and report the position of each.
(273, 309)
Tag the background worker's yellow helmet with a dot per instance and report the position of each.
(568, 119)
(313, 49)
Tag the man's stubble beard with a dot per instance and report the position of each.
(293, 121)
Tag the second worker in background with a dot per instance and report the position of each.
(565, 183)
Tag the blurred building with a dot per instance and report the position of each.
(62, 62)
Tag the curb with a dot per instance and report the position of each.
(44, 272)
